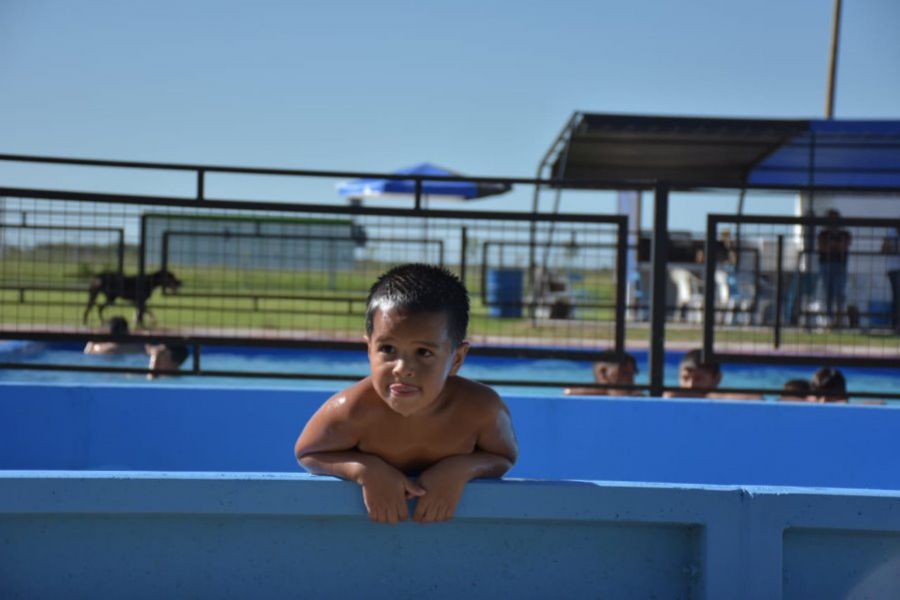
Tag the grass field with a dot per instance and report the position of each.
(331, 305)
(47, 293)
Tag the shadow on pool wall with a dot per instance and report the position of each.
(110, 489)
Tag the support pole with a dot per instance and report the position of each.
(832, 62)
(657, 356)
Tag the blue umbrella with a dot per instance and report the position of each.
(446, 190)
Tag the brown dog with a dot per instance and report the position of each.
(133, 288)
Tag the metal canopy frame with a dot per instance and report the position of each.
(669, 153)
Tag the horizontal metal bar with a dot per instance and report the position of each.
(355, 377)
(820, 360)
(574, 353)
(159, 166)
(309, 208)
(817, 221)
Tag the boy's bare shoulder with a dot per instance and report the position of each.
(359, 402)
(477, 398)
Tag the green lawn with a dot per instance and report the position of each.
(331, 304)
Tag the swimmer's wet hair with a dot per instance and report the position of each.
(610, 358)
(178, 353)
(420, 288)
(118, 326)
(829, 381)
(796, 388)
(694, 360)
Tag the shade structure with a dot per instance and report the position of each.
(696, 152)
(445, 190)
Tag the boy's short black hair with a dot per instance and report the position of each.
(798, 388)
(178, 353)
(609, 358)
(421, 288)
(118, 326)
(694, 360)
(829, 381)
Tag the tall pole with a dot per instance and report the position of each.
(832, 63)
(658, 280)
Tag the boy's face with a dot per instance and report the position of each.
(160, 360)
(411, 356)
(699, 378)
(614, 373)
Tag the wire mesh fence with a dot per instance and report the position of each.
(819, 290)
(277, 274)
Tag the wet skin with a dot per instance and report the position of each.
(609, 374)
(412, 428)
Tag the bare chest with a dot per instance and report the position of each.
(415, 448)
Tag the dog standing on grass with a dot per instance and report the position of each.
(134, 288)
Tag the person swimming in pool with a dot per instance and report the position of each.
(118, 328)
(413, 428)
(610, 370)
(700, 379)
(165, 358)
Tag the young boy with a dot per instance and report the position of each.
(796, 390)
(610, 371)
(165, 358)
(701, 379)
(118, 327)
(829, 385)
(412, 428)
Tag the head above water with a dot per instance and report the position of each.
(695, 374)
(829, 385)
(796, 389)
(118, 326)
(417, 288)
(165, 357)
(610, 369)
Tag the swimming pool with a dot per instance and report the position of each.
(354, 365)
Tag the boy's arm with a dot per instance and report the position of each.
(495, 452)
(327, 447)
(584, 391)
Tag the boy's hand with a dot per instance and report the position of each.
(385, 492)
(444, 483)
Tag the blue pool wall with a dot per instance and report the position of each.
(145, 492)
(147, 428)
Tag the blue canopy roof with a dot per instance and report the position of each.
(862, 154)
(465, 190)
(708, 152)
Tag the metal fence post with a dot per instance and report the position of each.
(657, 357)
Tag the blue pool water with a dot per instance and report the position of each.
(354, 364)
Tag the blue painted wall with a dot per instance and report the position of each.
(70, 532)
(149, 428)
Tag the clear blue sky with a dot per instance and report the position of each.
(482, 87)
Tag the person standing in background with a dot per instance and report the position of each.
(834, 249)
(891, 248)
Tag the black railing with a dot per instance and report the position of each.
(466, 222)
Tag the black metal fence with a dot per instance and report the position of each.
(822, 292)
(277, 274)
(543, 285)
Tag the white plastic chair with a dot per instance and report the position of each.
(689, 294)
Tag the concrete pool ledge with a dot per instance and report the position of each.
(109, 534)
(150, 491)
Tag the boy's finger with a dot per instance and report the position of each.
(428, 514)
(414, 489)
(402, 512)
(421, 507)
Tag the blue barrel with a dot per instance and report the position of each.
(879, 314)
(504, 292)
